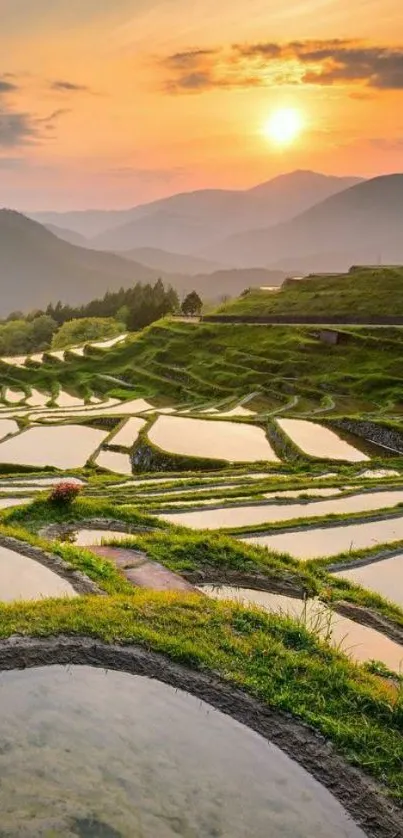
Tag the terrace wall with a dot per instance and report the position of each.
(372, 431)
(304, 320)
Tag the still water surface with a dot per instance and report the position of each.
(100, 754)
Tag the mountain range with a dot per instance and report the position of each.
(189, 222)
(37, 267)
(362, 224)
(359, 222)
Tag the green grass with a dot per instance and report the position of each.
(333, 519)
(183, 552)
(99, 570)
(209, 363)
(377, 291)
(41, 513)
(273, 658)
(214, 554)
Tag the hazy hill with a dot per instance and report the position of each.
(363, 291)
(163, 260)
(362, 224)
(67, 235)
(87, 223)
(188, 222)
(37, 267)
(226, 283)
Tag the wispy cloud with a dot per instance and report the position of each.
(16, 128)
(7, 86)
(19, 128)
(266, 64)
(64, 86)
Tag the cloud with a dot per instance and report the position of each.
(22, 128)
(7, 86)
(16, 128)
(269, 64)
(188, 60)
(63, 86)
(19, 127)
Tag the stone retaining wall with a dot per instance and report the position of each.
(372, 431)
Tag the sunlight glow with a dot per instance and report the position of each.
(284, 126)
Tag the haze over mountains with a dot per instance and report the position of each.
(362, 224)
(301, 222)
(36, 268)
(188, 222)
(165, 261)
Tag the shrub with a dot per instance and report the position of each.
(64, 493)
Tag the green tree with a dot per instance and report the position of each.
(85, 329)
(15, 337)
(42, 331)
(123, 314)
(15, 315)
(192, 304)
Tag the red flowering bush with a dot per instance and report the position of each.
(64, 493)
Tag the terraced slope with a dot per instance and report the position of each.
(214, 365)
(297, 525)
(361, 292)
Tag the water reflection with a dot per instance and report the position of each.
(108, 755)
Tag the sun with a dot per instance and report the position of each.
(284, 126)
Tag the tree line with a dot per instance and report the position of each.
(136, 307)
(61, 325)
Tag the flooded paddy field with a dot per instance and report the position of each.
(168, 765)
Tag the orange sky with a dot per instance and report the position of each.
(127, 100)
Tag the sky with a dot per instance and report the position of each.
(110, 103)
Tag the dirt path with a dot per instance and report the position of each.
(141, 572)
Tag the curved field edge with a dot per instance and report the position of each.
(193, 364)
(272, 658)
(199, 556)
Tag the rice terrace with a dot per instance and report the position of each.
(229, 498)
(201, 419)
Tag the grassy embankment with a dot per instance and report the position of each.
(271, 657)
(362, 292)
(201, 364)
(209, 556)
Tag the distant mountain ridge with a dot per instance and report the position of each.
(67, 235)
(362, 224)
(37, 267)
(168, 262)
(188, 222)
